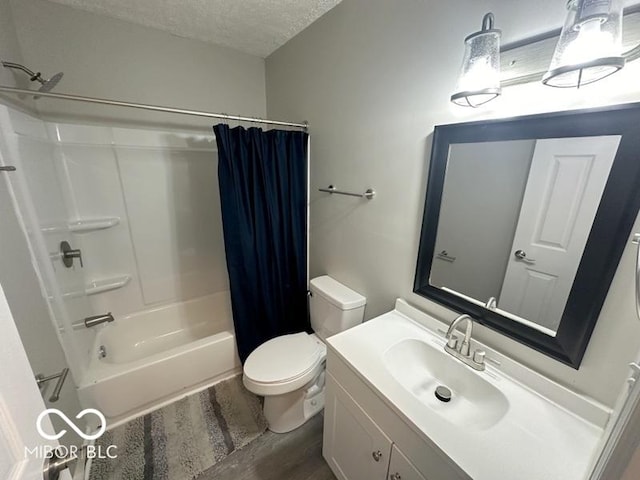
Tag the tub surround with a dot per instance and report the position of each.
(544, 431)
(139, 204)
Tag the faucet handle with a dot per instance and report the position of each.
(452, 342)
(478, 356)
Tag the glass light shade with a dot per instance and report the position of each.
(479, 80)
(590, 45)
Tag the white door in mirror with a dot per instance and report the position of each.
(564, 188)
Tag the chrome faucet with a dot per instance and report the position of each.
(462, 350)
(93, 321)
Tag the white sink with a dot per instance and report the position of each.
(421, 367)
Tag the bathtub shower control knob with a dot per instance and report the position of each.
(68, 254)
(377, 455)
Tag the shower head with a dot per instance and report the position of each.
(48, 85)
(45, 85)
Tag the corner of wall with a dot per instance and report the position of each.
(10, 51)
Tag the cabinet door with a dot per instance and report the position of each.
(353, 445)
(400, 468)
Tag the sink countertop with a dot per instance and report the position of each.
(536, 439)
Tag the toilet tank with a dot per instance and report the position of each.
(334, 307)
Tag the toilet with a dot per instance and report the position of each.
(289, 370)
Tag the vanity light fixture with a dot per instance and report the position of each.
(479, 80)
(590, 44)
(588, 48)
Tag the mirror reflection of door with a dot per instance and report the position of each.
(514, 220)
(565, 184)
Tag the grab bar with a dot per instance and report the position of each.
(369, 194)
(62, 376)
(636, 240)
(444, 255)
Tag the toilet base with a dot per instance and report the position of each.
(289, 411)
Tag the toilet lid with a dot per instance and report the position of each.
(283, 358)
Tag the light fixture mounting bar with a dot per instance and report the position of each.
(527, 60)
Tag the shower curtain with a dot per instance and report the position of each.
(263, 193)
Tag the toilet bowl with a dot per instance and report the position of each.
(289, 371)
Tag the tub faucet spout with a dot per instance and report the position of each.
(94, 320)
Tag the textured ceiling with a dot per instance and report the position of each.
(257, 27)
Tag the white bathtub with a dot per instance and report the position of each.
(158, 355)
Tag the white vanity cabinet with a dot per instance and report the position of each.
(353, 445)
(366, 440)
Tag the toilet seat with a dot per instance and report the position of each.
(284, 364)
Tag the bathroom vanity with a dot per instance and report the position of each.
(384, 421)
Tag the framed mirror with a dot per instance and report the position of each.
(526, 219)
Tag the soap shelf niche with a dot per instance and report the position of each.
(92, 224)
(82, 225)
(107, 284)
(99, 286)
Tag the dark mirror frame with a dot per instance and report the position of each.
(609, 234)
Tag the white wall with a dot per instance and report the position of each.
(481, 200)
(17, 274)
(109, 58)
(373, 77)
(10, 51)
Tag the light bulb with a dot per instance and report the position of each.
(481, 73)
(590, 43)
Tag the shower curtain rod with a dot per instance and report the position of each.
(156, 108)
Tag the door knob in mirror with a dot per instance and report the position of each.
(522, 255)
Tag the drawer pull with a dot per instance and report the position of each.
(377, 455)
(395, 476)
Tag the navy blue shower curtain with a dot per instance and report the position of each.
(263, 193)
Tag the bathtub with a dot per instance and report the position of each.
(145, 360)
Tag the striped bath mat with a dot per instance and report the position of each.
(183, 439)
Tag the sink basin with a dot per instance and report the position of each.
(421, 367)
